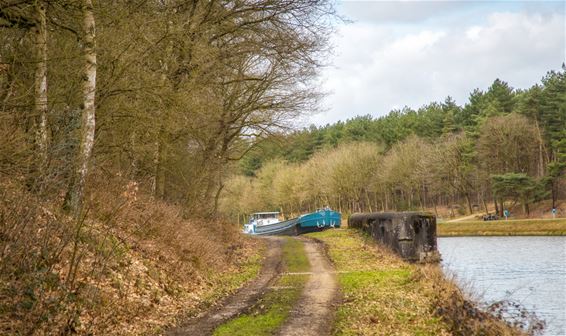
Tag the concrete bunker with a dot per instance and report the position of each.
(412, 235)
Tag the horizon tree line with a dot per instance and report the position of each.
(504, 146)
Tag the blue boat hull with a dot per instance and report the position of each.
(319, 220)
(316, 221)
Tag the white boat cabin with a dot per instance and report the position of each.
(260, 219)
(264, 218)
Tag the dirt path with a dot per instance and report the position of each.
(470, 217)
(314, 313)
(461, 219)
(240, 301)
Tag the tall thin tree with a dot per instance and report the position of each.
(88, 109)
(41, 108)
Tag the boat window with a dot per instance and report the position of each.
(265, 215)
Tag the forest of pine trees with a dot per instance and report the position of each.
(504, 147)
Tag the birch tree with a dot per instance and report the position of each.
(41, 107)
(87, 128)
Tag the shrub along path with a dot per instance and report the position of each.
(241, 300)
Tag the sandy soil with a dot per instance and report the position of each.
(315, 311)
(241, 300)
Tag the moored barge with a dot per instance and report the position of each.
(268, 223)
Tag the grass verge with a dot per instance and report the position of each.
(383, 295)
(520, 227)
(272, 310)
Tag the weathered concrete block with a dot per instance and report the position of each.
(410, 234)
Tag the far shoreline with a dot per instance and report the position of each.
(499, 234)
(502, 228)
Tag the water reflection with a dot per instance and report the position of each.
(528, 270)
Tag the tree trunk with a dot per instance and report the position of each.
(484, 204)
(424, 199)
(158, 179)
(131, 157)
(526, 208)
(76, 190)
(495, 204)
(217, 198)
(467, 195)
(554, 193)
(541, 151)
(368, 201)
(41, 82)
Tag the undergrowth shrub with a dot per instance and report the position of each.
(33, 241)
(160, 228)
(128, 258)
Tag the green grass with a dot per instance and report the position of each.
(294, 256)
(273, 309)
(230, 281)
(382, 295)
(521, 227)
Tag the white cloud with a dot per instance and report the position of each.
(473, 33)
(380, 66)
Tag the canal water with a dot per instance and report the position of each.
(527, 270)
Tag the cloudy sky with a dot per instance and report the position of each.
(410, 53)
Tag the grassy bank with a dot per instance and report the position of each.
(382, 295)
(134, 266)
(520, 227)
(272, 310)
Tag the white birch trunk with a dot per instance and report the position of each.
(156, 169)
(158, 179)
(88, 109)
(41, 81)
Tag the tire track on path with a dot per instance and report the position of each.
(314, 313)
(239, 302)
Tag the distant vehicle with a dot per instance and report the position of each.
(490, 217)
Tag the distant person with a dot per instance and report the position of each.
(553, 212)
